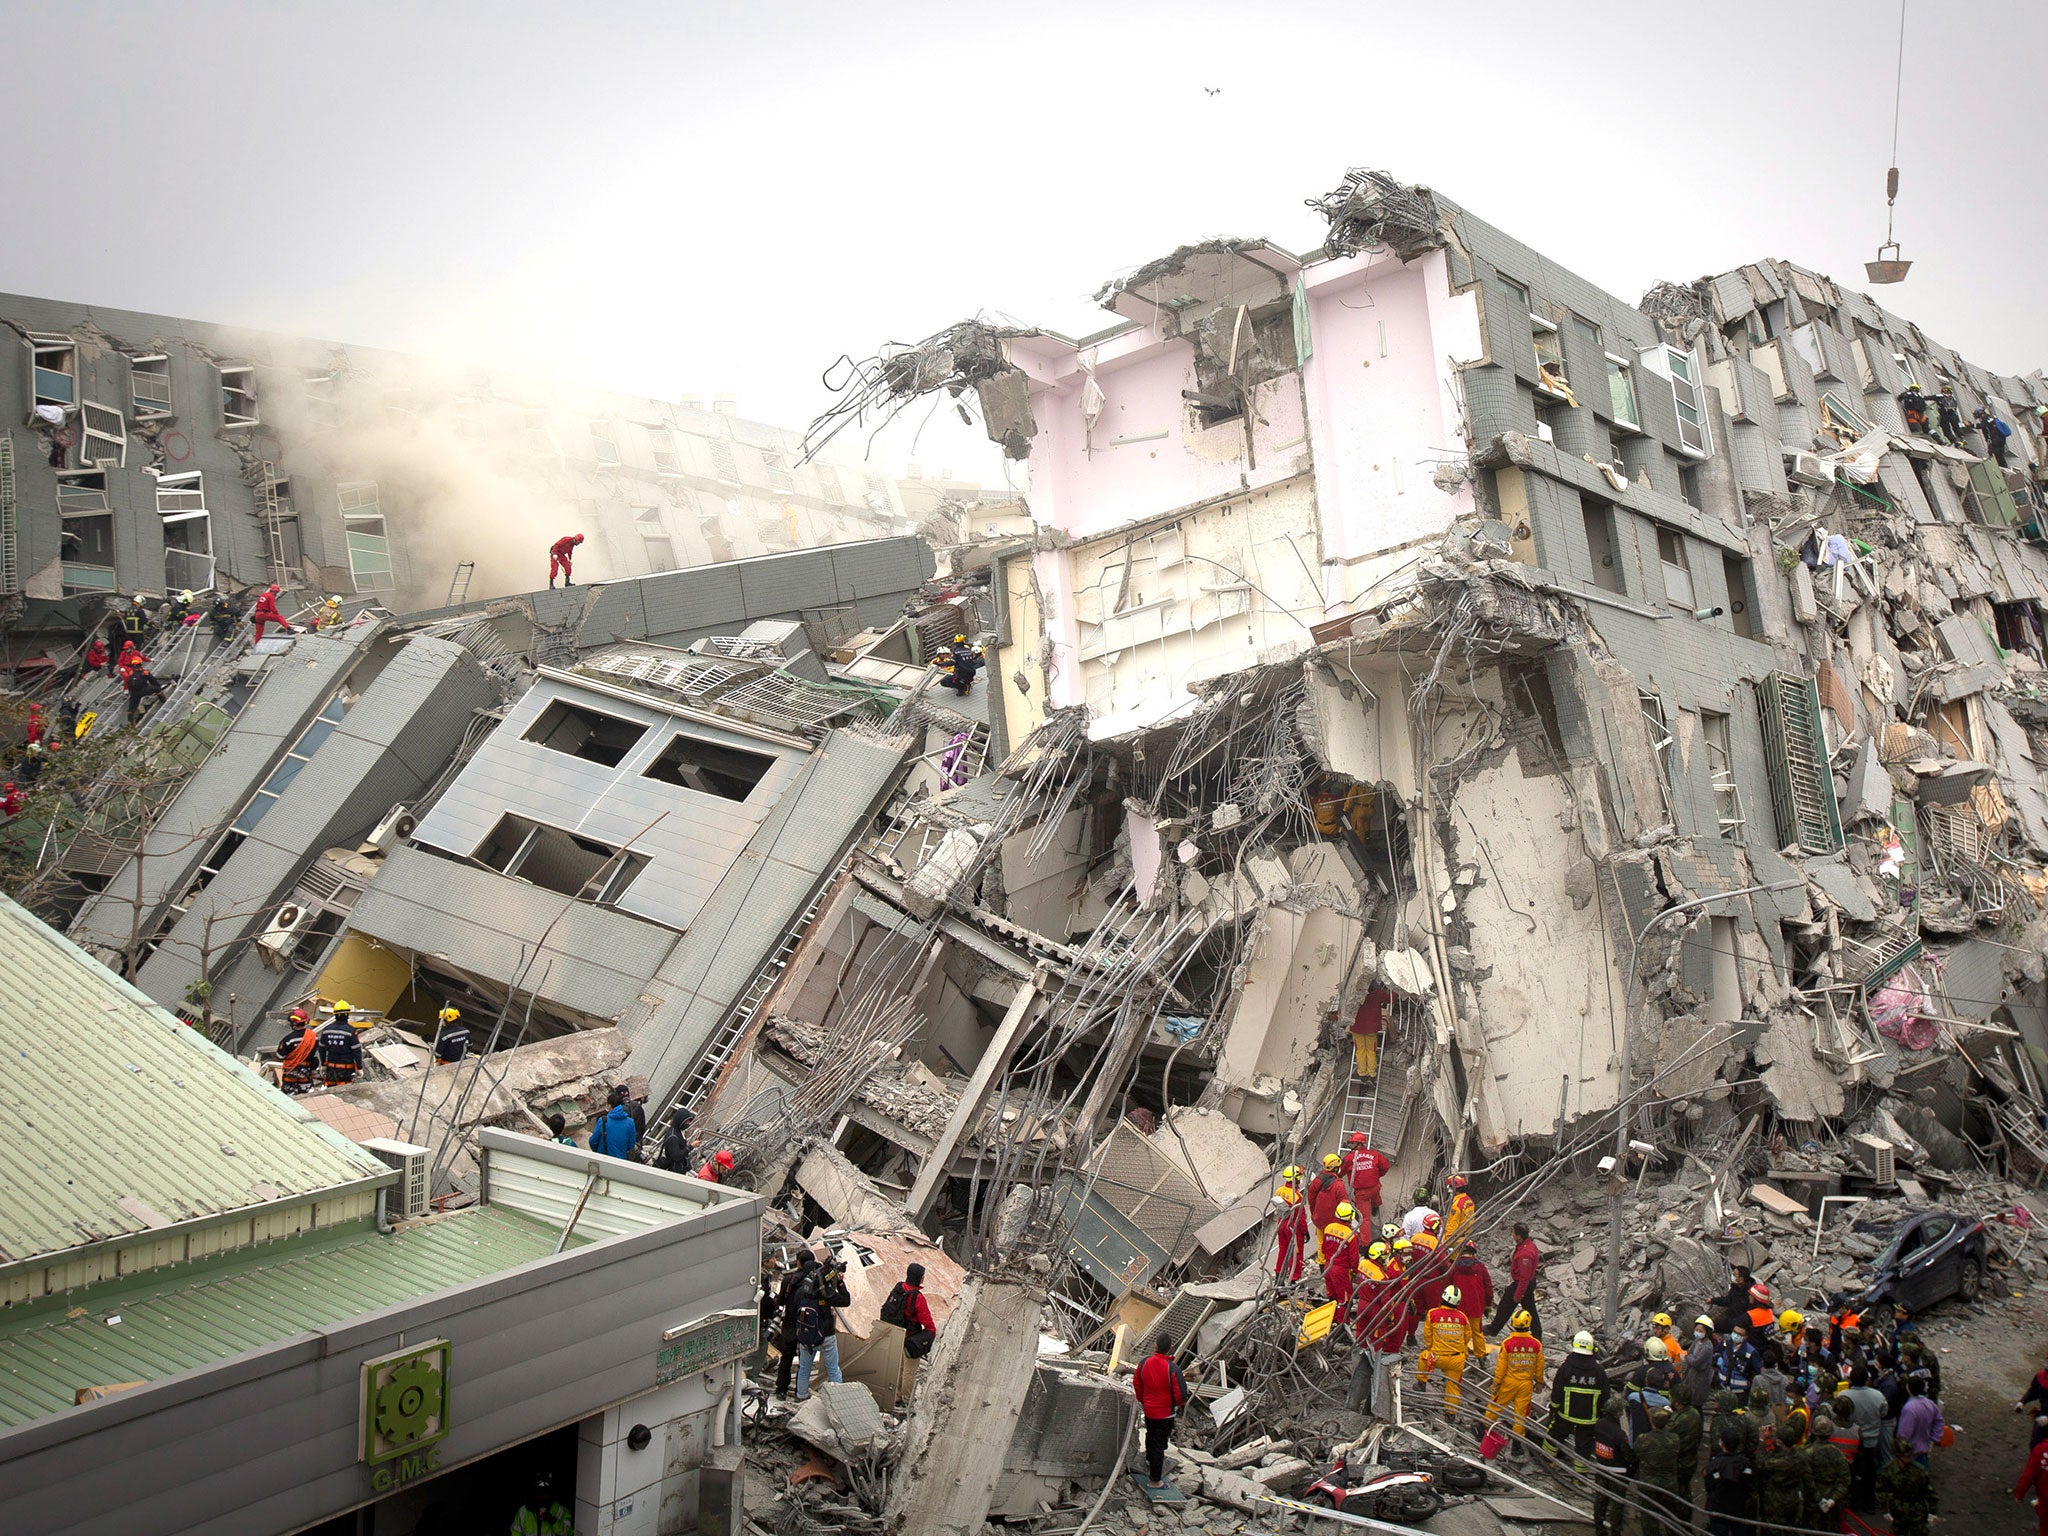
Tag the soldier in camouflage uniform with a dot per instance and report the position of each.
(1687, 1424)
(1905, 1492)
(1781, 1464)
(1728, 1410)
(1659, 1456)
(1827, 1478)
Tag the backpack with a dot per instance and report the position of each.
(810, 1322)
(895, 1310)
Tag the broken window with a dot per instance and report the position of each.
(1677, 569)
(1714, 730)
(369, 547)
(1550, 369)
(238, 395)
(1601, 545)
(585, 733)
(87, 531)
(666, 460)
(1691, 406)
(1741, 594)
(654, 539)
(106, 435)
(604, 443)
(1839, 422)
(1621, 392)
(53, 369)
(714, 769)
(1796, 754)
(779, 477)
(1689, 484)
(559, 861)
(188, 531)
(149, 386)
(1657, 727)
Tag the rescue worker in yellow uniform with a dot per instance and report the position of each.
(1517, 1372)
(1461, 1211)
(1339, 1232)
(1448, 1337)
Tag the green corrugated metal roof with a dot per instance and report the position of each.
(107, 1098)
(174, 1320)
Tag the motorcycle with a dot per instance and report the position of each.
(1402, 1495)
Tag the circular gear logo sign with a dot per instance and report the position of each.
(405, 1402)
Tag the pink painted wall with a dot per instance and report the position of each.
(1086, 493)
(1377, 416)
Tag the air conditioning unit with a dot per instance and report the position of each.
(398, 825)
(1878, 1157)
(408, 1199)
(1809, 469)
(287, 925)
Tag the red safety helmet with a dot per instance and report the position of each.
(298, 1016)
(723, 1159)
(1431, 1222)
(579, 540)
(1358, 1138)
(1760, 1294)
(1455, 1181)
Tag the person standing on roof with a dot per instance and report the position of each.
(297, 1052)
(560, 554)
(265, 612)
(341, 1051)
(1363, 1168)
(615, 1135)
(451, 1040)
(1366, 1025)
(1161, 1393)
(222, 616)
(1324, 1191)
(964, 661)
(1293, 1210)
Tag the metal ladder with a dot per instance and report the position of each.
(732, 1028)
(458, 584)
(1379, 1105)
(10, 577)
(271, 511)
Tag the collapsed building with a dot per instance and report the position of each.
(146, 453)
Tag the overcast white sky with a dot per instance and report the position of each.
(685, 198)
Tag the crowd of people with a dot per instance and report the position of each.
(1752, 1413)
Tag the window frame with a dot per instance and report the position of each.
(88, 434)
(1690, 378)
(1621, 371)
(604, 439)
(1683, 565)
(371, 511)
(237, 421)
(38, 345)
(1727, 793)
(149, 408)
(668, 458)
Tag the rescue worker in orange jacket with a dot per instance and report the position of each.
(1293, 1209)
(1517, 1372)
(1461, 1211)
(1339, 1232)
(1761, 1318)
(296, 1052)
(1449, 1337)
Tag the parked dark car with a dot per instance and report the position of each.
(1932, 1255)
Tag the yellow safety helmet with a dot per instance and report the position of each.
(1452, 1295)
(1332, 1161)
(1401, 1243)
(1291, 1173)
(1376, 1251)
(342, 1005)
(450, 1015)
(1791, 1321)
(1662, 1319)
(1653, 1349)
(1345, 1210)
(1521, 1319)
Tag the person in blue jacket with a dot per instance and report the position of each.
(615, 1135)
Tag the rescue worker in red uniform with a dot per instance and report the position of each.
(1363, 1169)
(1340, 1259)
(265, 612)
(1293, 1209)
(1325, 1190)
(1474, 1285)
(95, 655)
(560, 553)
